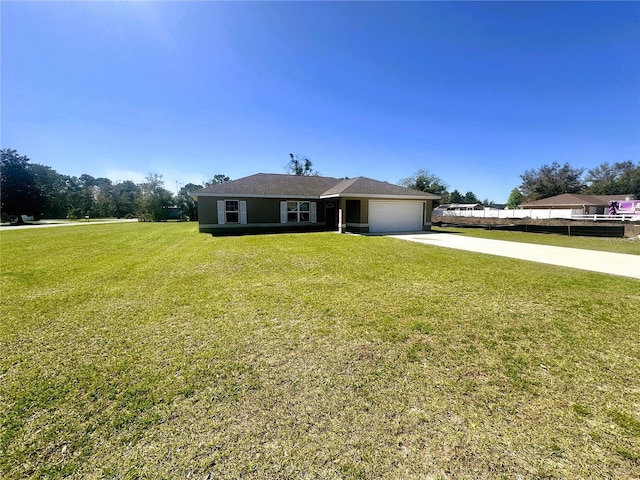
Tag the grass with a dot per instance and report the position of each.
(151, 351)
(617, 245)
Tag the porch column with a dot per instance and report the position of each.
(342, 215)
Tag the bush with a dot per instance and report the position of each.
(74, 214)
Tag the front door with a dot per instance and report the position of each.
(331, 216)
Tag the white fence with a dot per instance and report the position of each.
(511, 213)
(535, 213)
(608, 218)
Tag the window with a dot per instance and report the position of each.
(298, 212)
(232, 211)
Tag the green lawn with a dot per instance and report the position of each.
(617, 245)
(151, 351)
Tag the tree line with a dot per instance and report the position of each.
(619, 178)
(31, 189)
(426, 181)
(38, 190)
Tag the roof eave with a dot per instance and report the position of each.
(376, 195)
(256, 195)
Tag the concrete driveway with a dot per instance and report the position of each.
(603, 262)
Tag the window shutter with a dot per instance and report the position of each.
(283, 212)
(221, 212)
(313, 217)
(243, 212)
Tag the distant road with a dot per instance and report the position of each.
(61, 223)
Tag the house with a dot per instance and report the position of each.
(580, 204)
(271, 203)
(450, 207)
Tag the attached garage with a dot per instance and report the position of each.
(395, 216)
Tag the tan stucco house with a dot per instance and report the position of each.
(271, 203)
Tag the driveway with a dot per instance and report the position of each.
(603, 262)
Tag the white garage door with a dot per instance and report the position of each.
(395, 216)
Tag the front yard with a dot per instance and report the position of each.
(151, 351)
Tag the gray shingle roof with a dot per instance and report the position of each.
(279, 185)
(369, 186)
(272, 184)
(340, 186)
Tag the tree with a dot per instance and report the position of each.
(217, 178)
(617, 179)
(550, 180)
(629, 179)
(155, 198)
(515, 199)
(53, 188)
(19, 194)
(600, 180)
(425, 181)
(126, 198)
(79, 196)
(104, 201)
(95, 196)
(470, 197)
(455, 197)
(186, 202)
(300, 166)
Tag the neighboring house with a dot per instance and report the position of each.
(451, 207)
(580, 204)
(270, 203)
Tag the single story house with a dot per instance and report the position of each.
(456, 207)
(271, 203)
(581, 204)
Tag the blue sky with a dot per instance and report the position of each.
(474, 92)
